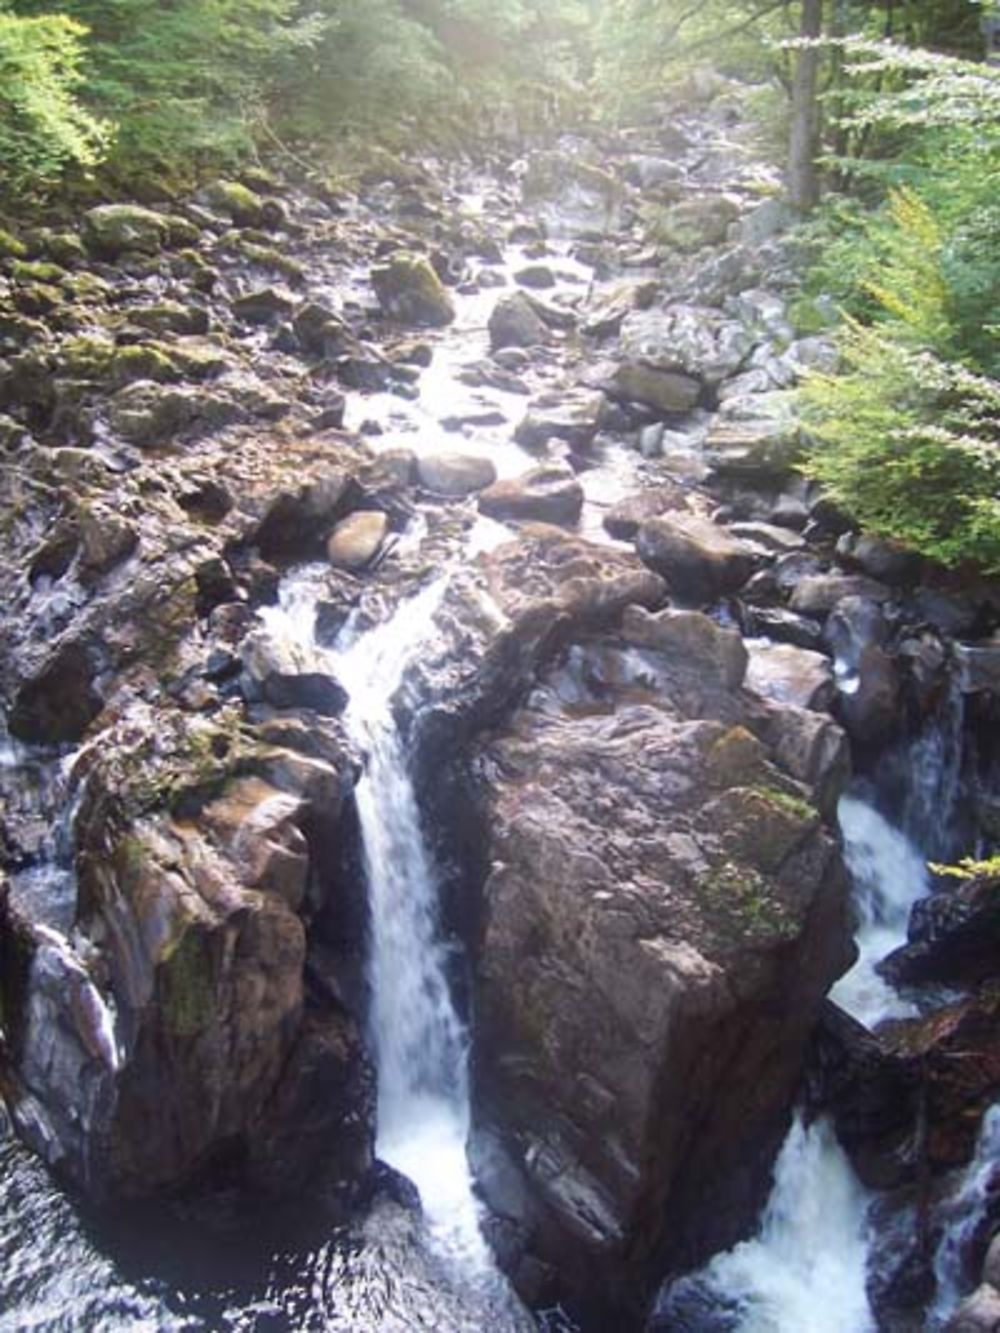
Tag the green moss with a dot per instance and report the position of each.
(10, 246)
(145, 361)
(793, 805)
(740, 905)
(265, 256)
(187, 996)
(36, 270)
(86, 356)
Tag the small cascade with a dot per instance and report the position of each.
(963, 1216)
(419, 1041)
(807, 1265)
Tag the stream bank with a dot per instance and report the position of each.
(644, 683)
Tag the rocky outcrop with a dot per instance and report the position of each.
(176, 1031)
(662, 915)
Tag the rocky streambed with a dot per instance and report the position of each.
(555, 389)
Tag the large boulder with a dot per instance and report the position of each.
(455, 475)
(662, 915)
(700, 341)
(550, 494)
(409, 290)
(112, 230)
(572, 416)
(790, 675)
(666, 391)
(174, 1037)
(699, 559)
(515, 322)
(357, 539)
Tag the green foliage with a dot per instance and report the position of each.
(43, 127)
(970, 868)
(906, 444)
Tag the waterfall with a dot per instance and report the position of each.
(806, 1267)
(963, 1215)
(418, 1040)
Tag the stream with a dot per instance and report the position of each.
(214, 1265)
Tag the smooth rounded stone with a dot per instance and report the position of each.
(536, 276)
(573, 416)
(264, 306)
(455, 475)
(515, 322)
(624, 519)
(409, 289)
(550, 493)
(112, 230)
(357, 539)
(790, 675)
(818, 594)
(692, 638)
(699, 559)
(979, 1313)
(666, 391)
(514, 359)
(889, 562)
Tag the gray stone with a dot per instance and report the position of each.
(455, 475)
(790, 675)
(357, 539)
(692, 638)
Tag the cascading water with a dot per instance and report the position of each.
(806, 1268)
(419, 1041)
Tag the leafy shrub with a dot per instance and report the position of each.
(43, 128)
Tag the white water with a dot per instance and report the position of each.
(419, 1042)
(805, 1270)
(963, 1215)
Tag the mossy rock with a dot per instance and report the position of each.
(86, 356)
(39, 299)
(235, 201)
(265, 256)
(408, 289)
(10, 246)
(37, 270)
(86, 288)
(112, 230)
(143, 361)
(181, 231)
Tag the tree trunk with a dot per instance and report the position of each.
(803, 177)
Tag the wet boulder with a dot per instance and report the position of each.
(698, 558)
(409, 290)
(573, 416)
(662, 915)
(58, 702)
(665, 391)
(455, 475)
(515, 322)
(790, 675)
(550, 494)
(953, 938)
(357, 539)
(692, 638)
(187, 1036)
